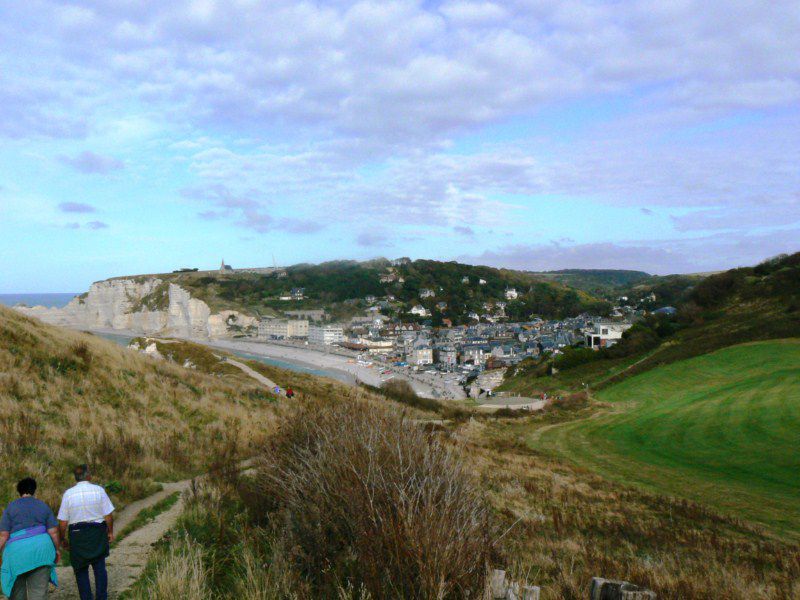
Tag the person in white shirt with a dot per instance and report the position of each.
(88, 514)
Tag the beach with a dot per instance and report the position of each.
(334, 362)
(343, 365)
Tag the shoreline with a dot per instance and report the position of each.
(338, 365)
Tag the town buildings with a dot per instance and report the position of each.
(605, 334)
(325, 335)
(283, 328)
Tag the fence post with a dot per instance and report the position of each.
(498, 584)
(505, 590)
(606, 589)
(530, 592)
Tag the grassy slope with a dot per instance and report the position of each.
(721, 428)
(595, 281)
(738, 320)
(68, 397)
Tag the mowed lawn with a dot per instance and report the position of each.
(723, 429)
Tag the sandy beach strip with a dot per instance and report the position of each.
(321, 362)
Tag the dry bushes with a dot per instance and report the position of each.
(370, 501)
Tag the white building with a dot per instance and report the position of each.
(325, 335)
(422, 355)
(511, 294)
(283, 328)
(473, 354)
(420, 311)
(481, 282)
(426, 293)
(374, 346)
(604, 335)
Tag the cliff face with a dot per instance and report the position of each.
(142, 305)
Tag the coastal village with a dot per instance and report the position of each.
(476, 352)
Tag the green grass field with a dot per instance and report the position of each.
(723, 429)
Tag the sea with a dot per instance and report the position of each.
(56, 300)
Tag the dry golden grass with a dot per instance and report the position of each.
(180, 574)
(68, 397)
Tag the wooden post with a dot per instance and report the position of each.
(606, 589)
(512, 593)
(505, 590)
(530, 592)
(498, 584)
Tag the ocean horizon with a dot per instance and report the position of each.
(50, 300)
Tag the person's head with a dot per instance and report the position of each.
(82, 473)
(27, 487)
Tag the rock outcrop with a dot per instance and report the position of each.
(146, 305)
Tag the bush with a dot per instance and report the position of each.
(573, 401)
(401, 391)
(573, 357)
(371, 501)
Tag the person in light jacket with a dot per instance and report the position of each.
(87, 513)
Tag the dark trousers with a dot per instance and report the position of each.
(100, 581)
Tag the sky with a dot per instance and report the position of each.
(142, 136)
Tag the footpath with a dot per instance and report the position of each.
(129, 557)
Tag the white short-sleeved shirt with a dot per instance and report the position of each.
(83, 503)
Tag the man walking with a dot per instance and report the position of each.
(87, 513)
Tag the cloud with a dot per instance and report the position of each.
(222, 196)
(301, 226)
(36, 109)
(372, 239)
(93, 225)
(91, 163)
(758, 212)
(463, 230)
(76, 207)
(424, 113)
(395, 71)
(709, 253)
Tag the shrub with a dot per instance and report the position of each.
(401, 391)
(371, 501)
(573, 401)
(573, 357)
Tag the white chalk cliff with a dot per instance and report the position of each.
(142, 305)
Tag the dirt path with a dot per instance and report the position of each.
(254, 374)
(129, 557)
(515, 402)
